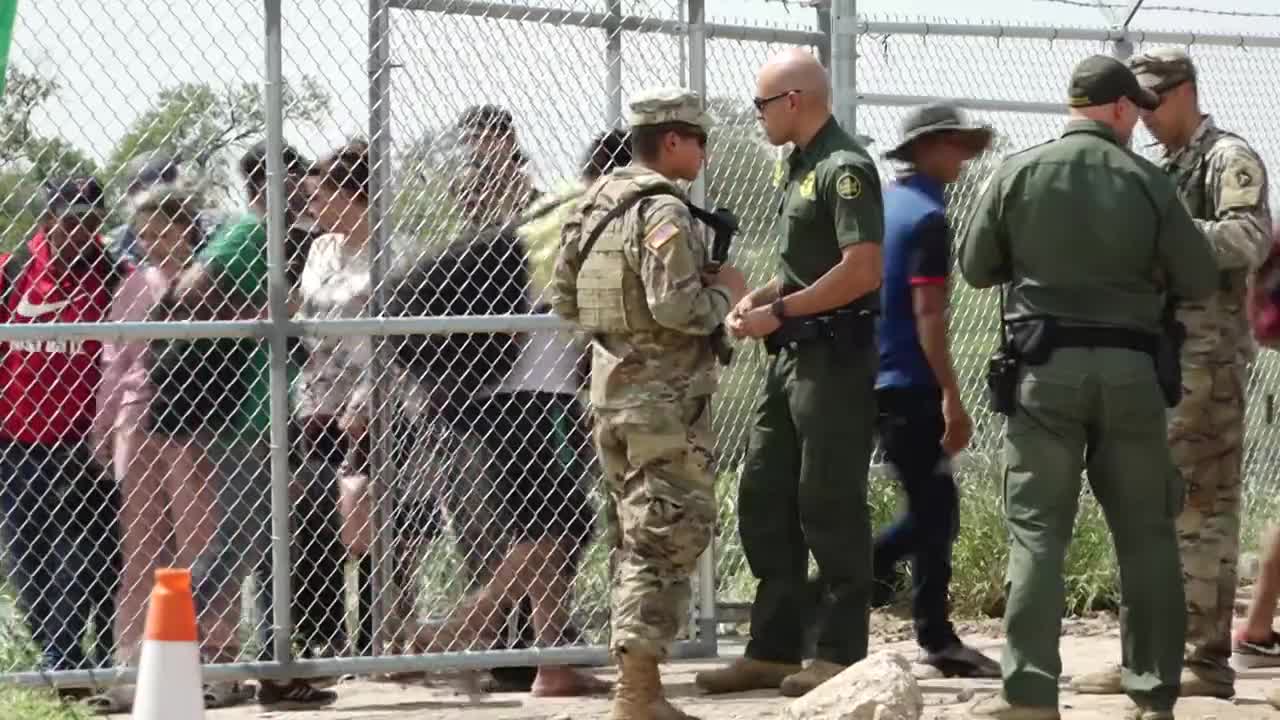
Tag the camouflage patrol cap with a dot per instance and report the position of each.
(657, 106)
(1163, 68)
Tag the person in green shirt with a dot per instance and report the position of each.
(804, 487)
(228, 281)
(1088, 238)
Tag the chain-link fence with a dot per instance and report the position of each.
(373, 432)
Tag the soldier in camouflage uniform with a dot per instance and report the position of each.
(631, 273)
(1223, 183)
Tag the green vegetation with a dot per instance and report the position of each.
(24, 704)
(200, 122)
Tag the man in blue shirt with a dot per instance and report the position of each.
(922, 419)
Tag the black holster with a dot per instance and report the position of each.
(1168, 357)
(1031, 341)
(847, 330)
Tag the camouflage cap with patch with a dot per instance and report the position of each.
(656, 106)
(1163, 68)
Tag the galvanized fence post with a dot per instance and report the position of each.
(278, 339)
(697, 71)
(844, 63)
(613, 64)
(381, 465)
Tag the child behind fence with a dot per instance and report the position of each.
(169, 505)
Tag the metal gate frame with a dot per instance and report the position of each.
(836, 43)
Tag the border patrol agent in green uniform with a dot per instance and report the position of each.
(804, 487)
(1224, 183)
(1088, 236)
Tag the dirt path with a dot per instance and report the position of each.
(1086, 645)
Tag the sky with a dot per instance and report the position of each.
(112, 56)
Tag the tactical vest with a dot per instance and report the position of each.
(1191, 189)
(611, 295)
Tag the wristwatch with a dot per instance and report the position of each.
(779, 309)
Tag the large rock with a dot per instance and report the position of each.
(878, 688)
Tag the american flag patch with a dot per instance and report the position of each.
(661, 235)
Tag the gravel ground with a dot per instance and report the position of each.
(1086, 645)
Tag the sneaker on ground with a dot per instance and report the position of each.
(1250, 654)
(960, 660)
(293, 694)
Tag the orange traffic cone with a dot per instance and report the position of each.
(169, 685)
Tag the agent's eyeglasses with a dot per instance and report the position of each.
(760, 102)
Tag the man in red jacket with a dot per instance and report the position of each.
(60, 509)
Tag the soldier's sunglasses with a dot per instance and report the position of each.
(761, 102)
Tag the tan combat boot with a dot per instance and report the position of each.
(1196, 684)
(1103, 682)
(818, 672)
(745, 674)
(1141, 713)
(639, 690)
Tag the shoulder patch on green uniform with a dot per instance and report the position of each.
(848, 186)
(661, 235)
(807, 186)
(1241, 182)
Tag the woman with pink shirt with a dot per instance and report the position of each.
(168, 513)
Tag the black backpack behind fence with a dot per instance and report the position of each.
(481, 274)
(199, 383)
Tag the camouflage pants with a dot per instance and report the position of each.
(657, 466)
(1206, 435)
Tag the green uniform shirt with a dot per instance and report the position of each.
(1086, 230)
(830, 200)
(238, 253)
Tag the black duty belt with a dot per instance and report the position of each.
(839, 326)
(1105, 337)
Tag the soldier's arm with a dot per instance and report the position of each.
(984, 247)
(852, 192)
(1239, 233)
(671, 259)
(564, 277)
(1185, 255)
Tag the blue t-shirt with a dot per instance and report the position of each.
(917, 251)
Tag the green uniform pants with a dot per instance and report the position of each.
(1101, 410)
(805, 488)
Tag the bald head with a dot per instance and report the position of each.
(795, 69)
(793, 97)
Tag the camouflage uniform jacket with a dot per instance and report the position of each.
(1224, 185)
(670, 360)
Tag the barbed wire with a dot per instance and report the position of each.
(812, 4)
(1093, 4)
